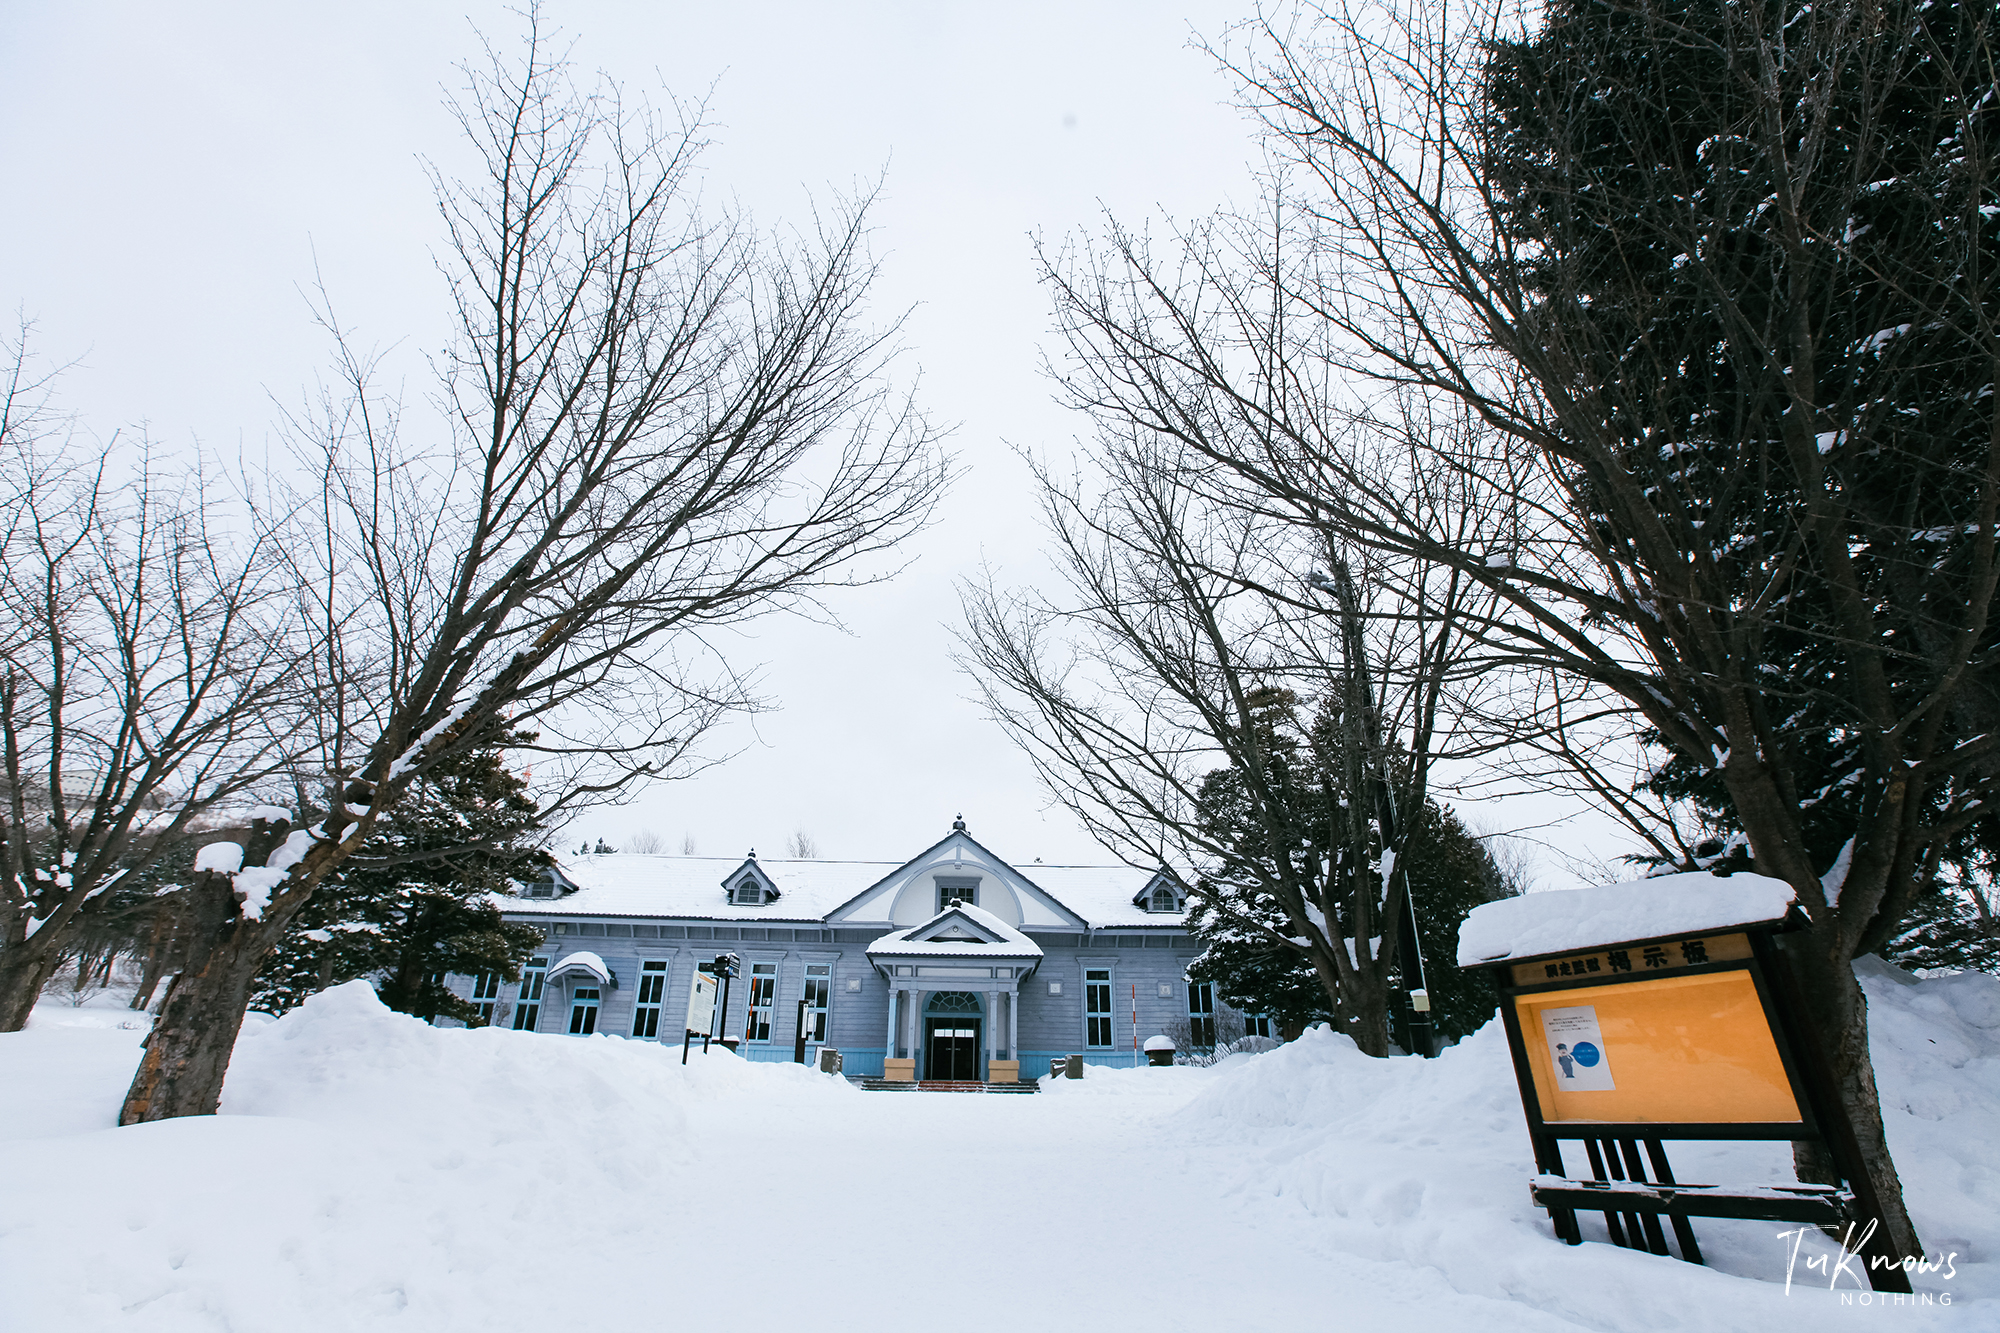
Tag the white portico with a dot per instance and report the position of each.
(950, 979)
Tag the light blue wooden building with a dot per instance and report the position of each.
(951, 965)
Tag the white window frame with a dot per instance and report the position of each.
(586, 1004)
(817, 1016)
(1109, 1015)
(965, 888)
(649, 998)
(528, 1007)
(752, 1009)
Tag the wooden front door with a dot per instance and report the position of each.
(952, 1046)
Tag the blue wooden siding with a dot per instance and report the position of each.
(1049, 1025)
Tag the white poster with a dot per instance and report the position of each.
(1576, 1049)
(701, 1005)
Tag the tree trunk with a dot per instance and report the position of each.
(187, 1053)
(1367, 1004)
(24, 970)
(1836, 1012)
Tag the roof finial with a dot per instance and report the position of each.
(958, 824)
(753, 853)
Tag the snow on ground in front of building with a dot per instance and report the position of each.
(370, 1172)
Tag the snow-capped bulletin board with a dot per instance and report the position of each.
(1625, 1044)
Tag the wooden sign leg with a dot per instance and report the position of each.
(1683, 1229)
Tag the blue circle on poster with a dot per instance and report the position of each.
(1586, 1054)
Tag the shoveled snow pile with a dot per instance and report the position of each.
(365, 1166)
(371, 1172)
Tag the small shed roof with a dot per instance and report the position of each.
(1535, 925)
(585, 962)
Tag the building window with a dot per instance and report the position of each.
(646, 1008)
(1256, 1025)
(1163, 900)
(1201, 1015)
(763, 990)
(964, 888)
(819, 979)
(583, 1011)
(1097, 1008)
(486, 995)
(528, 1013)
(749, 893)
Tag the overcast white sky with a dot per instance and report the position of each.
(173, 174)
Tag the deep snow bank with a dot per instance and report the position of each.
(1427, 1162)
(366, 1166)
(342, 1058)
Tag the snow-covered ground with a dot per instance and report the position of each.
(370, 1172)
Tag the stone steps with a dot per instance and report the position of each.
(942, 1085)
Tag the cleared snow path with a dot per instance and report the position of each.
(370, 1172)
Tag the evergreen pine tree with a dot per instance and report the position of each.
(416, 903)
(1449, 873)
(1632, 198)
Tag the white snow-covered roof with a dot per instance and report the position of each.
(1101, 895)
(628, 884)
(1567, 920)
(631, 885)
(1008, 942)
(582, 961)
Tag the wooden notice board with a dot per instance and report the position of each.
(1625, 1044)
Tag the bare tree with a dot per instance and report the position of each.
(802, 845)
(145, 679)
(652, 423)
(1186, 637)
(646, 842)
(687, 844)
(1735, 392)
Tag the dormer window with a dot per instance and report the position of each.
(749, 886)
(1163, 900)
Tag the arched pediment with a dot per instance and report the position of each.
(957, 867)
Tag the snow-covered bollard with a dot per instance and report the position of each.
(1160, 1051)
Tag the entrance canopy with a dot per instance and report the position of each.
(585, 966)
(960, 944)
(939, 971)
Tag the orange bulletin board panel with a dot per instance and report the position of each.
(1674, 1049)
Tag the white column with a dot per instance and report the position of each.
(891, 1053)
(1014, 1023)
(917, 1030)
(992, 1019)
